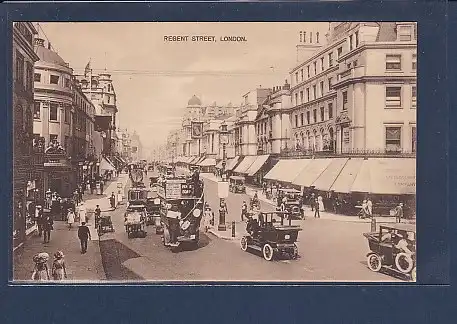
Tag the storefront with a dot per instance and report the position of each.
(257, 170)
(60, 174)
(245, 164)
(208, 165)
(286, 171)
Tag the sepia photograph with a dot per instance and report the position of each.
(199, 152)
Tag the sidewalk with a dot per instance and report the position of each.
(80, 267)
(308, 213)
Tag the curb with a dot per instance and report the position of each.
(223, 237)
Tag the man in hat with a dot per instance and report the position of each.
(84, 236)
(399, 212)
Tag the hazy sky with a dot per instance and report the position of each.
(154, 79)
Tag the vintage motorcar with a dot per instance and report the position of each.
(293, 202)
(270, 235)
(105, 225)
(153, 205)
(135, 221)
(237, 184)
(393, 247)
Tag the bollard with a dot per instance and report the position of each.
(233, 229)
(373, 224)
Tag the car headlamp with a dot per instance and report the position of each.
(197, 212)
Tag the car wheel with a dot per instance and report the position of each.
(404, 262)
(267, 252)
(374, 262)
(413, 275)
(244, 243)
(295, 252)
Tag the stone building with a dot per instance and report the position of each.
(24, 178)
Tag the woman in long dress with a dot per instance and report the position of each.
(41, 271)
(321, 203)
(59, 272)
(70, 218)
(82, 213)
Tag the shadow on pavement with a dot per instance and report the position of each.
(203, 242)
(389, 272)
(114, 254)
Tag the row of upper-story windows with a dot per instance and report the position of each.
(53, 79)
(394, 62)
(318, 115)
(23, 72)
(313, 92)
(262, 127)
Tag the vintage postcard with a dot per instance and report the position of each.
(208, 152)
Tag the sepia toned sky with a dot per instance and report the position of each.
(154, 79)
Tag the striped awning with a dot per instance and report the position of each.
(232, 163)
(245, 164)
(208, 162)
(258, 163)
(287, 170)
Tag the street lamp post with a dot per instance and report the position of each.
(222, 209)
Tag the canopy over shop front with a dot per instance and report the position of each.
(232, 163)
(198, 160)
(219, 165)
(325, 181)
(309, 174)
(194, 159)
(207, 162)
(258, 163)
(343, 183)
(245, 164)
(188, 159)
(287, 170)
(105, 165)
(386, 176)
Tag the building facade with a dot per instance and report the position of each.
(24, 178)
(357, 92)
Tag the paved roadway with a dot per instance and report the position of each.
(329, 251)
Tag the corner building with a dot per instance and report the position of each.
(356, 93)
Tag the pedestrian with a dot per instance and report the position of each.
(82, 213)
(98, 213)
(59, 272)
(80, 193)
(399, 213)
(312, 202)
(316, 209)
(364, 211)
(370, 207)
(39, 219)
(112, 201)
(70, 218)
(40, 270)
(320, 201)
(48, 226)
(84, 236)
(207, 217)
(244, 211)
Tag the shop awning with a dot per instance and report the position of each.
(386, 176)
(258, 163)
(219, 165)
(343, 183)
(329, 175)
(105, 165)
(198, 160)
(287, 170)
(309, 174)
(208, 162)
(245, 164)
(193, 159)
(188, 159)
(232, 163)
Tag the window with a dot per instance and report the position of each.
(322, 88)
(315, 68)
(350, 43)
(322, 114)
(19, 68)
(330, 80)
(296, 77)
(67, 115)
(322, 64)
(54, 79)
(296, 98)
(330, 110)
(29, 76)
(301, 119)
(37, 77)
(308, 117)
(53, 111)
(356, 39)
(36, 110)
(53, 138)
(296, 120)
(308, 72)
(393, 62)
(315, 115)
(345, 100)
(340, 51)
(67, 83)
(414, 63)
(314, 92)
(330, 59)
(405, 33)
(393, 138)
(413, 96)
(307, 94)
(301, 96)
(413, 139)
(393, 97)
(301, 72)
